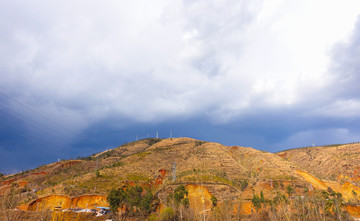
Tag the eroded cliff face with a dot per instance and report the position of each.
(64, 202)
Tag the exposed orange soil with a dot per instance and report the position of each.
(353, 210)
(23, 183)
(64, 202)
(318, 184)
(50, 202)
(89, 201)
(23, 207)
(199, 197)
(6, 182)
(346, 189)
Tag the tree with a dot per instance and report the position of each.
(97, 173)
(355, 196)
(132, 199)
(290, 190)
(179, 199)
(214, 200)
(256, 202)
(179, 195)
(146, 202)
(115, 198)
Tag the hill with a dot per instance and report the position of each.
(234, 175)
(335, 162)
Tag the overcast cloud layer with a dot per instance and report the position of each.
(78, 78)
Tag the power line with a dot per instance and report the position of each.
(36, 112)
(54, 132)
(33, 124)
(38, 142)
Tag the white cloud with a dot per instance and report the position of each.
(339, 109)
(150, 61)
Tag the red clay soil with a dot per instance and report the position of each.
(39, 173)
(162, 172)
(70, 163)
(235, 147)
(6, 182)
(23, 183)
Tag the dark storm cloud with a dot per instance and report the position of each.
(346, 66)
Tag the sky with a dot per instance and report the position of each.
(82, 77)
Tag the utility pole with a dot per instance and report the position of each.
(97, 163)
(203, 199)
(174, 171)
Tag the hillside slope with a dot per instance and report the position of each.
(336, 162)
(232, 174)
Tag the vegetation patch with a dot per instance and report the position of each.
(159, 149)
(142, 155)
(136, 177)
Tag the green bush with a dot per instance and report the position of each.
(133, 198)
(243, 184)
(152, 217)
(179, 196)
(214, 201)
(152, 141)
(167, 214)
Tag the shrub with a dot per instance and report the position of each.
(243, 184)
(290, 190)
(167, 214)
(152, 141)
(214, 201)
(152, 217)
(97, 173)
(256, 202)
